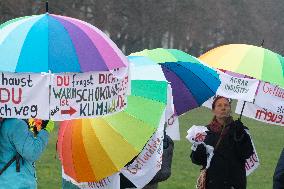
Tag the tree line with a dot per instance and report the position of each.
(194, 26)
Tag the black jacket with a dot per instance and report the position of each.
(278, 178)
(227, 167)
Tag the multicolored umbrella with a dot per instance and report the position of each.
(92, 149)
(192, 82)
(253, 61)
(49, 42)
(57, 44)
(161, 55)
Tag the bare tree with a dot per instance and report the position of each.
(194, 26)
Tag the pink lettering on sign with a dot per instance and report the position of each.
(6, 95)
(62, 80)
(250, 163)
(106, 78)
(264, 114)
(200, 137)
(273, 90)
(147, 153)
(171, 120)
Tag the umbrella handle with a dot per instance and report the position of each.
(242, 109)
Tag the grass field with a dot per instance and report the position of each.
(268, 139)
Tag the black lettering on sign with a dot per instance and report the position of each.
(26, 110)
(5, 111)
(22, 82)
(82, 82)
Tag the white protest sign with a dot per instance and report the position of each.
(253, 161)
(149, 161)
(91, 94)
(237, 88)
(270, 97)
(261, 114)
(111, 182)
(196, 133)
(172, 128)
(24, 95)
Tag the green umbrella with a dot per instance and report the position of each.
(161, 55)
(253, 61)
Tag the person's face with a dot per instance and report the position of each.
(222, 108)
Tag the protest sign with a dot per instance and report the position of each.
(237, 88)
(91, 94)
(172, 123)
(270, 97)
(252, 162)
(261, 114)
(24, 95)
(111, 182)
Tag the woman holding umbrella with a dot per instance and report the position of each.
(232, 146)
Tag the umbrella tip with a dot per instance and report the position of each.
(262, 43)
(46, 6)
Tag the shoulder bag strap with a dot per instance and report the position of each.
(15, 158)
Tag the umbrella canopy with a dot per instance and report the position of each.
(161, 55)
(92, 149)
(192, 82)
(256, 62)
(49, 42)
(59, 45)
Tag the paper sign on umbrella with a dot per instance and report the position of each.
(52, 44)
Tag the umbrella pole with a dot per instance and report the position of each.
(262, 43)
(242, 109)
(46, 6)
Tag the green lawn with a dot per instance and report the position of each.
(268, 139)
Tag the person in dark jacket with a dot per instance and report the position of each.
(278, 178)
(227, 166)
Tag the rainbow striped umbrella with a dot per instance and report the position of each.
(192, 82)
(49, 42)
(253, 61)
(92, 149)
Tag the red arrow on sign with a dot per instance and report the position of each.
(71, 111)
